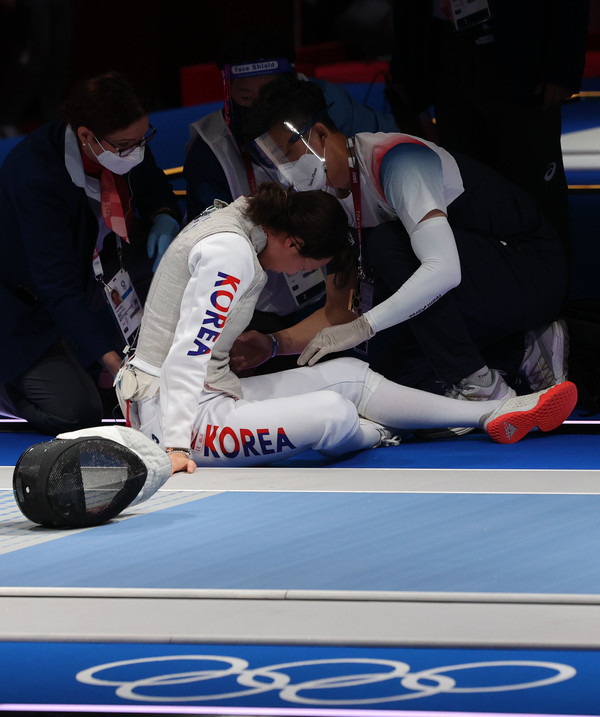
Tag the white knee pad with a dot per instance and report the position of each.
(352, 378)
(344, 375)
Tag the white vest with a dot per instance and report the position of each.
(162, 309)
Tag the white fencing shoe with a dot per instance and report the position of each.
(385, 436)
(517, 416)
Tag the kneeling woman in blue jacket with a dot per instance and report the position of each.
(82, 207)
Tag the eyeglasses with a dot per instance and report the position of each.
(299, 136)
(123, 152)
(299, 133)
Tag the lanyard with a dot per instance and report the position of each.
(228, 118)
(120, 295)
(249, 170)
(97, 262)
(361, 297)
(356, 198)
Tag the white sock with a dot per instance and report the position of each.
(483, 377)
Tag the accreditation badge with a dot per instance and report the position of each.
(124, 302)
(466, 14)
(305, 285)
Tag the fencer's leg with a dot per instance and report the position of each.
(375, 397)
(259, 432)
(399, 406)
(345, 376)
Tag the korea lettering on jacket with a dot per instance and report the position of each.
(221, 299)
(225, 441)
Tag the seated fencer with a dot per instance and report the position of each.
(178, 387)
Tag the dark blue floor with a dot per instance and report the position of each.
(572, 447)
(271, 679)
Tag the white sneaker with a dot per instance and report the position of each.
(517, 416)
(385, 437)
(546, 353)
(465, 391)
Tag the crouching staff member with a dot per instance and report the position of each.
(463, 260)
(179, 388)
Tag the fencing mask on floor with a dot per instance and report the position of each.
(84, 478)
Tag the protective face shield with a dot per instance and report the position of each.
(84, 478)
(305, 173)
(234, 114)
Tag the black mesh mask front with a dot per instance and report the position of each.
(77, 483)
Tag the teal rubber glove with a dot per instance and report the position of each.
(164, 230)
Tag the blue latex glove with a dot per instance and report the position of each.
(163, 231)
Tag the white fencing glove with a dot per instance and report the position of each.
(336, 338)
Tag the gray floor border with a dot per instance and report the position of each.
(459, 620)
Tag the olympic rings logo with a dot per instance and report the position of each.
(259, 680)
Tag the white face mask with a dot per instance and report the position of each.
(309, 171)
(117, 164)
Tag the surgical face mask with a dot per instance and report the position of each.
(117, 164)
(309, 172)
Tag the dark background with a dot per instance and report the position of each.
(46, 45)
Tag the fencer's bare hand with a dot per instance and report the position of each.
(181, 463)
(111, 362)
(336, 338)
(250, 349)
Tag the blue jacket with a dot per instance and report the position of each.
(47, 237)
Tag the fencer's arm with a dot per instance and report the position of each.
(434, 245)
(253, 348)
(184, 370)
(293, 340)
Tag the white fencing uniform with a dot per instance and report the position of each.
(180, 391)
(185, 395)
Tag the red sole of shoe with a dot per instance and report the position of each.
(551, 410)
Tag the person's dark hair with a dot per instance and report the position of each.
(286, 98)
(315, 217)
(104, 104)
(255, 44)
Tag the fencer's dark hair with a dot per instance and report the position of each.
(105, 104)
(315, 217)
(254, 44)
(286, 98)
